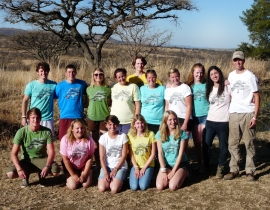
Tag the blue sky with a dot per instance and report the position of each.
(216, 24)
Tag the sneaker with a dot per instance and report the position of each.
(250, 177)
(24, 183)
(231, 175)
(219, 173)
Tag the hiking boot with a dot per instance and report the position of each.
(220, 171)
(42, 181)
(231, 175)
(250, 177)
(24, 183)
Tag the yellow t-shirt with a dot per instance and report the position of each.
(139, 80)
(141, 148)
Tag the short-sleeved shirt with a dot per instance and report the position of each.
(123, 98)
(152, 104)
(139, 80)
(176, 99)
(113, 149)
(33, 144)
(200, 104)
(77, 152)
(141, 148)
(70, 98)
(219, 105)
(171, 148)
(41, 96)
(98, 97)
(242, 86)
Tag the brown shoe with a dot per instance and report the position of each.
(250, 177)
(231, 175)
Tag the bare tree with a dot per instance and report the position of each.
(142, 39)
(65, 16)
(42, 45)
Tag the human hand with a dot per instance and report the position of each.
(171, 174)
(252, 123)
(24, 121)
(107, 177)
(75, 178)
(184, 127)
(137, 173)
(142, 171)
(21, 174)
(44, 172)
(82, 178)
(164, 176)
(113, 173)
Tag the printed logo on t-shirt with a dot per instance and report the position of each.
(152, 99)
(239, 85)
(73, 92)
(99, 95)
(123, 94)
(78, 152)
(218, 99)
(199, 94)
(172, 148)
(176, 97)
(36, 143)
(141, 149)
(114, 151)
(44, 93)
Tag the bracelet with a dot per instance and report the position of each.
(48, 166)
(254, 118)
(19, 170)
(23, 116)
(136, 167)
(163, 170)
(116, 169)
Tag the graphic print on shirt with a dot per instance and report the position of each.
(114, 151)
(78, 152)
(73, 92)
(123, 94)
(99, 95)
(36, 142)
(141, 149)
(199, 94)
(152, 99)
(218, 99)
(176, 97)
(44, 93)
(172, 148)
(239, 85)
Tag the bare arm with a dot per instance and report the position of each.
(137, 107)
(166, 105)
(102, 154)
(121, 161)
(188, 101)
(24, 108)
(252, 123)
(134, 163)
(160, 155)
(50, 158)
(150, 159)
(87, 168)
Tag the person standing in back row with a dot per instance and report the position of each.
(41, 93)
(243, 111)
(70, 93)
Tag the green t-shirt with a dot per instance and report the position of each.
(33, 144)
(98, 97)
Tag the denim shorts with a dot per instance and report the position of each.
(121, 173)
(199, 120)
(183, 165)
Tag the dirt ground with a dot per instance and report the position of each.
(199, 192)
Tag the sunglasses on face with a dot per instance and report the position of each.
(100, 74)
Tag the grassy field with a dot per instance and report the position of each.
(199, 192)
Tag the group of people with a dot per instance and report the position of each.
(135, 121)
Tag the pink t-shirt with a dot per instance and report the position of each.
(78, 152)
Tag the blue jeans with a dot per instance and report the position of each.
(143, 182)
(221, 129)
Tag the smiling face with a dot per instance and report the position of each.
(198, 75)
(42, 75)
(139, 126)
(121, 78)
(238, 64)
(175, 79)
(70, 74)
(151, 79)
(139, 66)
(34, 122)
(78, 130)
(112, 127)
(172, 122)
(98, 76)
(214, 76)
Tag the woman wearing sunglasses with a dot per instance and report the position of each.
(99, 96)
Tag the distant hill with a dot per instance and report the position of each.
(10, 31)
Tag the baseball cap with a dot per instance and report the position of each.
(238, 54)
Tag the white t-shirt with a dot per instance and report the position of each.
(176, 99)
(123, 98)
(219, 105)
(113, 149)
(242, 86)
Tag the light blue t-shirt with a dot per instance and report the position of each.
(200, 103)
(70, 98)
(152, 104)
(41, 96)
(171, 148)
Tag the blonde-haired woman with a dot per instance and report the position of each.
(142, 147)
(99, 97)
(171, 153)
(77, 150)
